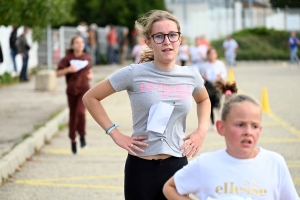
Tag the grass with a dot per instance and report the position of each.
(6, 78)
(56, 113)
(24, 137)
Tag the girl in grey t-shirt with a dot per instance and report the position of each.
(161, 96)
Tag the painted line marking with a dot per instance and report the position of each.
(108, 187)
(284, 124)
(58, 182)
(76, 178)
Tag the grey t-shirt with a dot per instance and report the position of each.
(147, 85)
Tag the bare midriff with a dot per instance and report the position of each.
(156, 157)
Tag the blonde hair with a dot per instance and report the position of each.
(144, 27)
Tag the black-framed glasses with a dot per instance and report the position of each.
(159, 38)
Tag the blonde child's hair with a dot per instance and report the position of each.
(144, 27)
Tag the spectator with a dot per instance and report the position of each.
(13, 48)
(23, 49)
(124, 42)
(93, 42)
(82, 29)
(112, 49)
(56, 50)
(1, 55)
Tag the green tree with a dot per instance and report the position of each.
(285, 3)
(103, 12)
(36, 14)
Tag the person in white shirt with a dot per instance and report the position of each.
(138, 49)
(242, 171)
(198, 54)
(230, 46)
(183, 53)
(212, 71)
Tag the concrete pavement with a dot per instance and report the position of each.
(97, 172)
(29, 118)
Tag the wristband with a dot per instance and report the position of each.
(111, 128)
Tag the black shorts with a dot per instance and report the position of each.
(144, 179)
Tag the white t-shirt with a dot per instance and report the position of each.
(183, 52)
(196, 51)
(137, 51)
(202, 50)
(218, 176)
(230, 46)
(212, 70)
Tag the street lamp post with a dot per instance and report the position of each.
(250, 6)
(49, 41)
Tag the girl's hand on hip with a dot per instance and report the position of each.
(129, 143)
(192, 143)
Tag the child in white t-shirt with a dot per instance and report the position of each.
(138, 49)
(242, 171)
(213, 71)
(183, 53)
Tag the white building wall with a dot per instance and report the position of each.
(7, 65)
(214, 23)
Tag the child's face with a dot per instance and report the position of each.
(241, 130)
(78, 44)
(212, 56)
(167, 51)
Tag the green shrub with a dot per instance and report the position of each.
(6, 78)
(258, 44)
(103, 59)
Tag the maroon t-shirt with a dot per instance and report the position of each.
(77, 83)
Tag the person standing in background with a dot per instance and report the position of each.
(56, 50)
(112, 48)
(198, 54)
(183, 54)
(93, 41)
(76, 66)
(13, 48)
(23, 49)
(82, 31)
(204, 41)
(138, 49)
(124, 45)
(293, 43)
(230, 46)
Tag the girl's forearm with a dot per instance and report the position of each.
(203, 113)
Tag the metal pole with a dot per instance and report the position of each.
(49, 47)
(250, 6)
(184, 13)
(233, 16)
(49, 42)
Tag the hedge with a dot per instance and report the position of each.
(258, 44)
